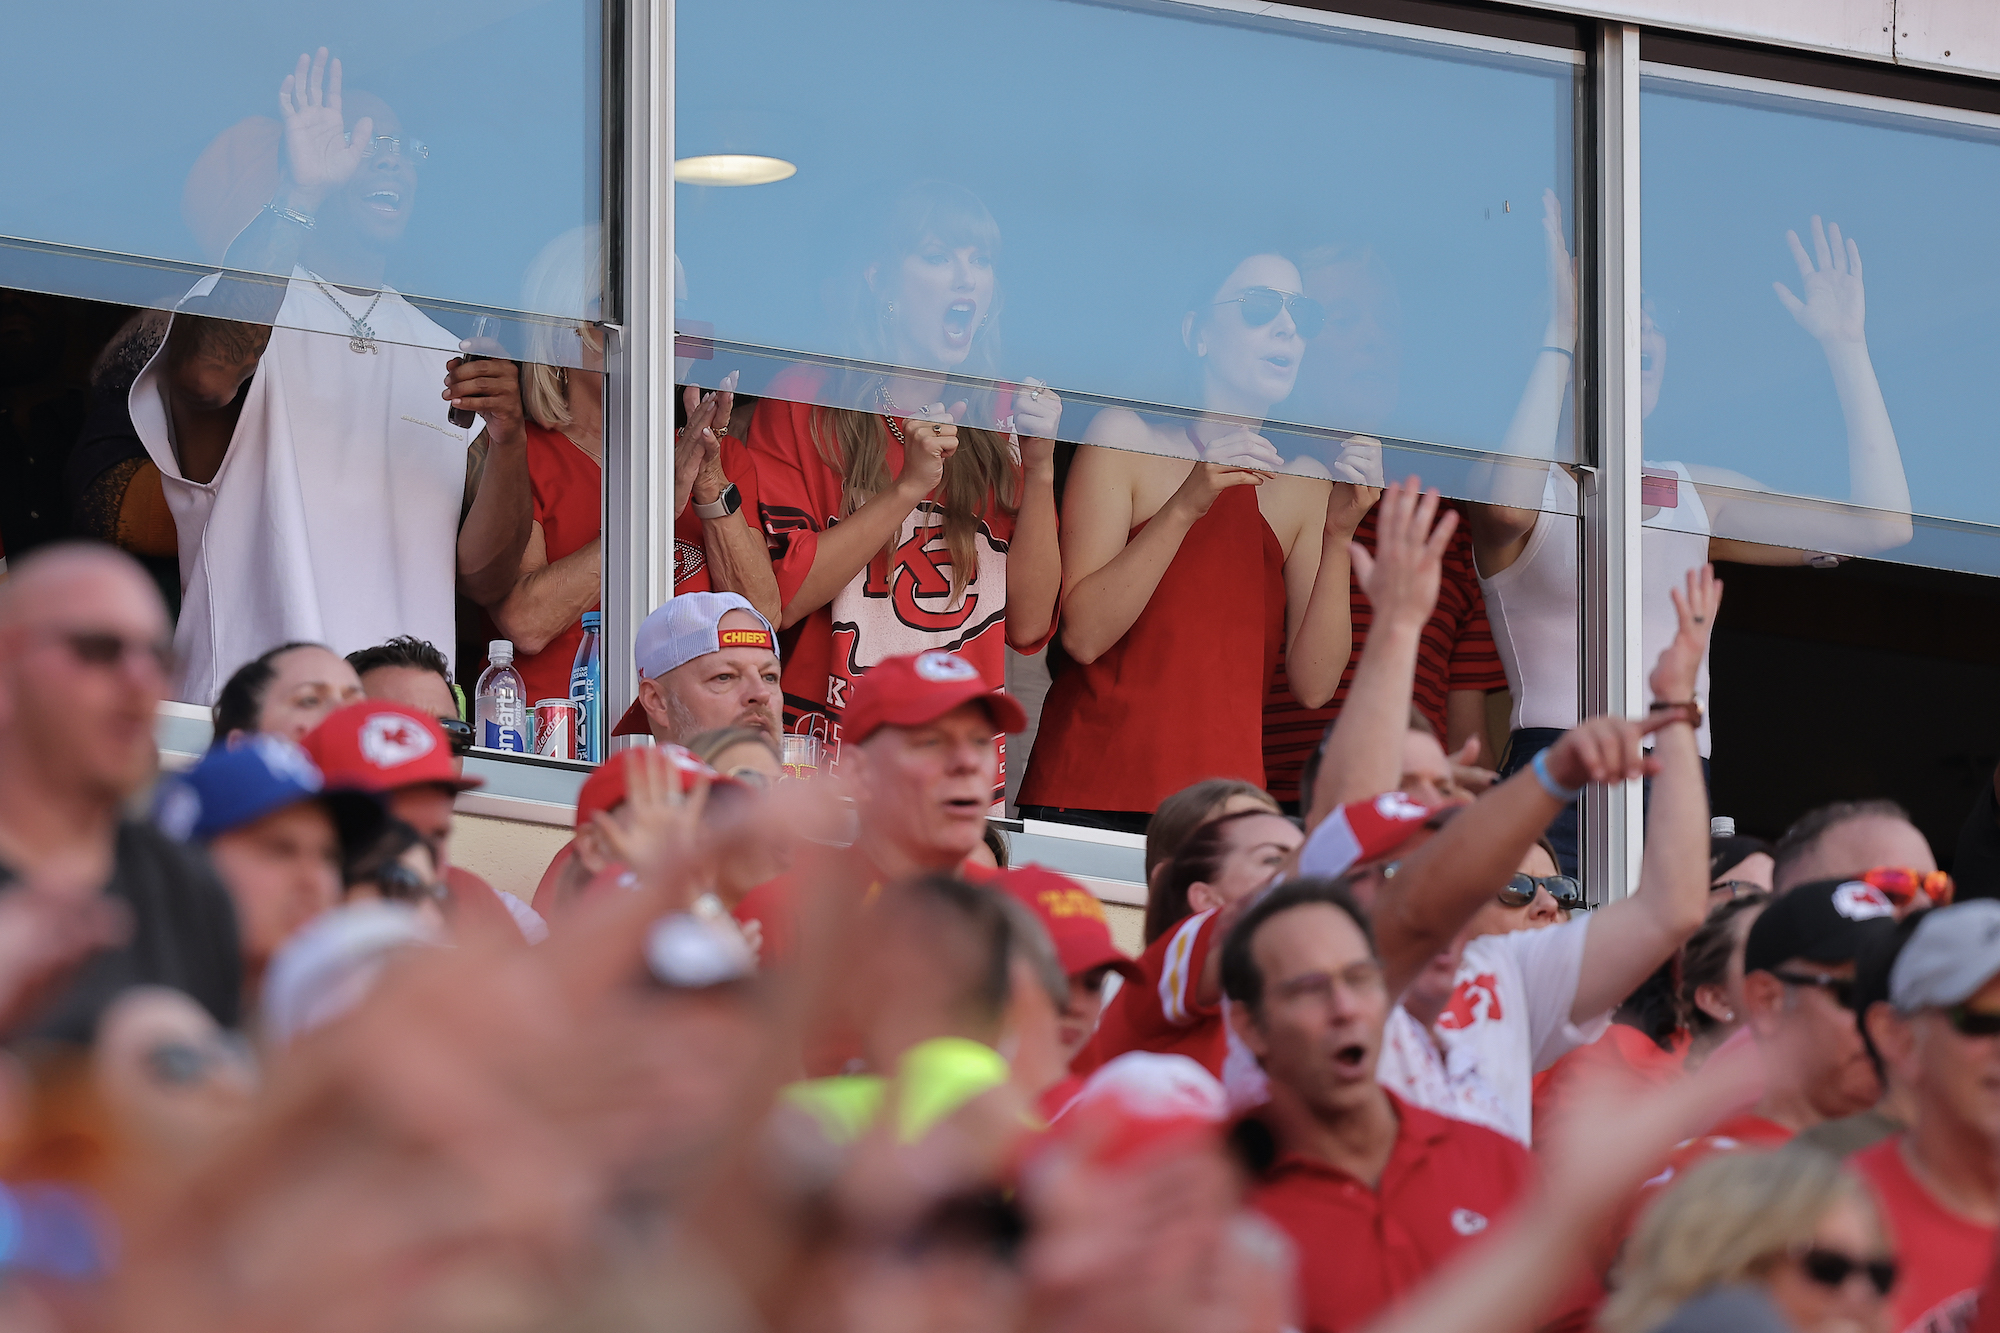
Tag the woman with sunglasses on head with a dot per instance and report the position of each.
(1792, 1233)
(1191, 560)
(909, 506)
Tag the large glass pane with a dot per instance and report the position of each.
(1278, 240)
(1818, 278)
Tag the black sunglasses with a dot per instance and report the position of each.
(1262, 304)
(1969, 1022)
(1841, 989)
(1520, 891)
(458, 734)
(1831, 1268)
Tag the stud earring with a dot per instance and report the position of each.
(1729, 1015)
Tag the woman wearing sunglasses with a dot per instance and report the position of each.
(1191, 560)
(907, 510)
(1793, 1227)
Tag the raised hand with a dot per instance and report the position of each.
(1037, 411)
(1674, 675)
(1835, 307)
(1561, 330)
(1605, 750)
(698, 445)
(1401, 576)
(1357, 477)
(489, 385)
(319, 153)
(657, 834)
(930, 438)
(1465, 769)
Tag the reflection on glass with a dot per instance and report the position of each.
(924, 517)
(1186, 579)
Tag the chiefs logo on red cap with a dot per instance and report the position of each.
(942, 667)
(742, 638)
(390, 740)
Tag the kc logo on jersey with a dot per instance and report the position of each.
(390, 740)
(1472, 1002)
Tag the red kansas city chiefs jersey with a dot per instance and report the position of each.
(1164, 1013)
(902, 603)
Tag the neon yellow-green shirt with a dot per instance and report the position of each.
(933, 1079)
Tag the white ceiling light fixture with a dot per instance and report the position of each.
(731, 169)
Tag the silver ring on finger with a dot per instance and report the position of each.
(1035, 397)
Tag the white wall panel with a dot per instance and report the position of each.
(1958, 35)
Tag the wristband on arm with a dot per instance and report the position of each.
(1540, 768)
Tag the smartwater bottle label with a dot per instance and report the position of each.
(494, 736)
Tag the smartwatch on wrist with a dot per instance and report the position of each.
(724, 505)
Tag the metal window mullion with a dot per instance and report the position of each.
(638, 529)
(1612, 673)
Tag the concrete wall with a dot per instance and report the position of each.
(509, 854)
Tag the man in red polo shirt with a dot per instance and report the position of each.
(921, 752)
(1376, 1193)
(1939, 1182)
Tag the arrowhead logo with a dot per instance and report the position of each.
(390, 740)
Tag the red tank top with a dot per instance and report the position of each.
(1180, 697)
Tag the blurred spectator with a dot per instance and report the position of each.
(407, 670)
(1938, 1183)
(403, 756)
(748, 754)
(398, 866)
(1375, 1192)
(1846, 1135)
(1847, 838)
(1457, 665)
(993, 847)
(1193, 806)
(1165, 514)
(317, 487)
(561, 572)
(1737, 866)
(923, 744)
(274, 835)
(84, 657)
(705, 660)
(1075, 921)
(1793, 1225)
(1712, 975)
(915, 513)
(330, 964)
(286, 691)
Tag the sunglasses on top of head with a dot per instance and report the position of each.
(1520, 891)
(1901, 885)
(1260, 305)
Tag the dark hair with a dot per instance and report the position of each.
(1705, 957)
(1872, 966)
(1654, 1006)
(978, 912)
(1806, 831)
(366, 865)
(996, 843)
(242, 697)
(1187, 810)
(405, 650)
(1309, 771)
(1725, 854)
(1242, 980)
(1197, 862)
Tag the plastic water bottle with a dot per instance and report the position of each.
(586, 690)
(500, 711)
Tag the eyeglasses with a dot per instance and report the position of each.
(458, 734)
(1736, 888)
(1262, 304)
(1840, 988)
(1520, 891)
(415, 150)
(1901, 885)
(108, 648)
(1831, 1268)
(1968, 1022)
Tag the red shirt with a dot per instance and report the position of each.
(1164, 1014)
(1943, 1256)
(567, 487)
(1447, 1182)
(901, 603)
(1456, 653)
(1623, 1052)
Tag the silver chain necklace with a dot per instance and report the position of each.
(361, 334)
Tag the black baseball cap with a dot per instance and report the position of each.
(1827, 921)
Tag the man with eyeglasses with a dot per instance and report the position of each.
(302, 422)
(1939, 1182)
(84, 655)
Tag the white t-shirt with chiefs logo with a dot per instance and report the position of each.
(1507, 1019)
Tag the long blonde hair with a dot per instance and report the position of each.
(566, 278)
(1730, 1220)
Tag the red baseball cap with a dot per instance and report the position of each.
(1073, 917)
(378, 746)
(922, 687)
(1362, 831)
(605, 788)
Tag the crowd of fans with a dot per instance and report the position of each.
(783, 1052)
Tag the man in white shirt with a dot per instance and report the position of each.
(317, 484)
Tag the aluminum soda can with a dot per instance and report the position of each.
(555, 728)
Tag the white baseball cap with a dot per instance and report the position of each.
(688, 626)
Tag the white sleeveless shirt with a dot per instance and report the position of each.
(1533, 604)
(334, 516)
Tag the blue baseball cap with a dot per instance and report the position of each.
(234, 785)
